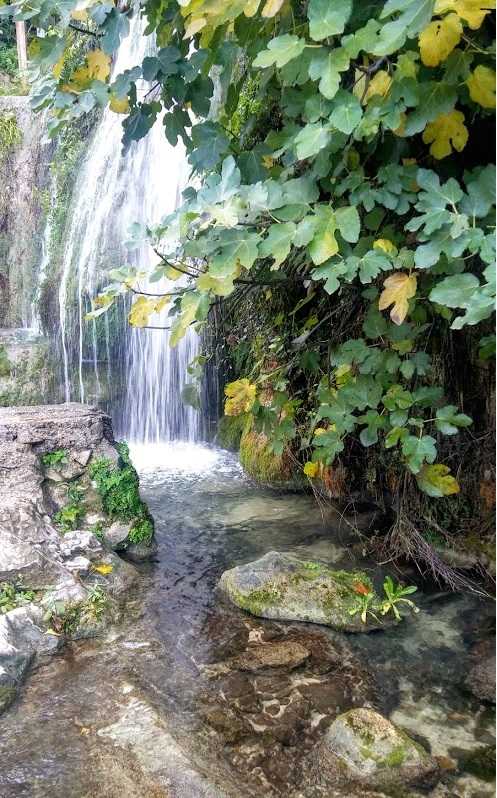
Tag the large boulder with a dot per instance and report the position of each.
(282, 587)
(363, 747)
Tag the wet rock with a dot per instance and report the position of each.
(481, 676)
(117, 533)
(28, 543)
(363, 747)
(138, 552)
(282, 587)
(227, 723)
(22, 637)
(271, 655)
(79, 566)
(80, 542)
(83, 457)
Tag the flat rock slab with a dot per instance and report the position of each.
(282, 587)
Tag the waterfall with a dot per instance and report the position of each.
(133, 372)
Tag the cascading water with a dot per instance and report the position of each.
(114, 191)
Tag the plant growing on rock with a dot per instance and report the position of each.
(68, 518)
(395, 595)
(56, 458)
(14, 595)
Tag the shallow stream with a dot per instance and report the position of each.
(141, 713)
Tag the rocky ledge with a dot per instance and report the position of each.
(69, 499)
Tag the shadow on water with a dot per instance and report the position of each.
(115, 716)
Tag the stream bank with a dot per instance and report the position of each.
(139, 710)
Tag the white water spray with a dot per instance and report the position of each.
(111, 194)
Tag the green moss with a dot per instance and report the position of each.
(5, 364)
(395, 758)
(118, 488)
(7, 697)
(260, 462)
(480, 762)
(230, 430)
(10, 135)
(257, 600)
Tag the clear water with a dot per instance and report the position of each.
(98, 717)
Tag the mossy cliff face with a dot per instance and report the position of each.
(281, 587)
(26, 368)
(262, 464)
(363, 747)
(24, 160)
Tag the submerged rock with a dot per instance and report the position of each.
(289, 654)
(282, 587)
(481, 676)
(363, 747)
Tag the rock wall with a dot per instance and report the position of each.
(24, 158)
(68, 500)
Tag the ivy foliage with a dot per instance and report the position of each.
(353, 178)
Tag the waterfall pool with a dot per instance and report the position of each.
(141, 712)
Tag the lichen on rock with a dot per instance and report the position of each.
(282, 587)
(361, 746)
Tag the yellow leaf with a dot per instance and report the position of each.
(271, 8)
(379, 85)
(311, 470)
(401, 129)
(472, 11)
(79, 16)
(119, 106)
(161, 304)
(141, 310)
(481, 85)
(251, 7)
(397, 290)
(438, 40)
(385, 245)
(98, 64)
(319, 431)
(241, 397)
(437, 481)
(447, 131)
(103, 568)
(267, 161)
(58, 67)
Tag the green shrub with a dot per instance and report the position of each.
(8, 59)
(10, 135)
(5, 364)
(13, 595)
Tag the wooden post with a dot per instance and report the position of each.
(22, 55)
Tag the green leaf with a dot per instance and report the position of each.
(435, 98)
(347, 112)
(211, 144)
(455, 291)
(311, 139)
(348, 223)
(435, 480)
(190, 395)
(326, 66)
(418, 451)
(280, 51)
(328, 18)
(394, 436)
(449, 421)
(413, 15)
(323, 244)
(278, 243)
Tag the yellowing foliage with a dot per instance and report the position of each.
(96, 67)
(379, 85)
(397, 290)
(311, 470)
(481, 85)
(241, 397)
(447, 131)
(472, 11)
(103, 568)
(271, 8)
(439, 38)
(385, 245)
(437, 481)
(143, 307)
(119, 106)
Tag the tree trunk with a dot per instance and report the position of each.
(22, 56)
